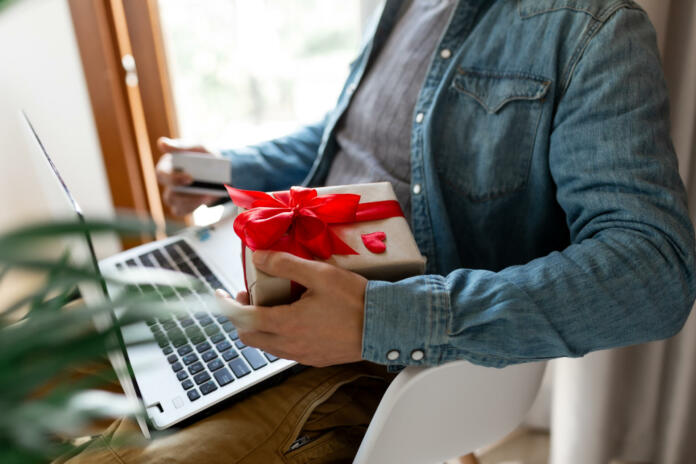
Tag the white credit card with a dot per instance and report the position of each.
(209, 173)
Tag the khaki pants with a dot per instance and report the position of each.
(328, 409)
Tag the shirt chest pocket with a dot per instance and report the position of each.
(486, 131)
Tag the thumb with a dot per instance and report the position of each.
(167, 145)
(306, 272)
(242, 316)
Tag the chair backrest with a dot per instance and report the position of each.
(429, 415)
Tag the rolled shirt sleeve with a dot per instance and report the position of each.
(277, 164)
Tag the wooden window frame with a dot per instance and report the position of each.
(132, 108)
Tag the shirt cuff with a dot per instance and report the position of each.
(246, 170)
(406, 321)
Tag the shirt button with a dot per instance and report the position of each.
(419, 118)
(417, 355)
(445, 53)
(417, 189)
(393, 355)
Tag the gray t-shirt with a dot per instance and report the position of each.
(374, 135)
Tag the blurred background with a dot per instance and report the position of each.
(103, 79)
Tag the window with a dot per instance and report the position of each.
(225, 73)
(243, 71)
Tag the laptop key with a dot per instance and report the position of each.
(145, 259)
(198, 338)
(223, 377)
(181, 375)
(161, 260)
(187, 321)
(209, 355)
(202, 377)
(223, 346)
(200, 314)
(270, 357)
(190, 358)
(169, 325)
(239, 367)
(179, 341)
(221, 319)
(253, 356)
(208, 387)
(173, 252)
(186, 384)
(193, 331)
(195, 368)
(212, 329)
(206, 320)
(185, 268)
(217, 338)
(234, 335)
(229, 354)
(239, 344)
(201, 347)
(227, 326)
(201, 267)
(215, 365)
(172, 358)
(186, 248)
(184, 350)
(167, 350)
(176, 367)
(193, 395)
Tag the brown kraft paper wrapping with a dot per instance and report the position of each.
(401, 258)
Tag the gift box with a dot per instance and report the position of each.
(358, 227)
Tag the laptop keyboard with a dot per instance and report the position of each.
(202, 348)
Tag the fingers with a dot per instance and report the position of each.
(243, 297)
(181, 203)
(242, 316)
(167, 145)
(252, 318)
(311, 274)
(268, 342)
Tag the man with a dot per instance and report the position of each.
(528, 143)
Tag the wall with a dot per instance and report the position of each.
(40, 72)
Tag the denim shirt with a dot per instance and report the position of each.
(545, 189)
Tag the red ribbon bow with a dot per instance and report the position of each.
(298, 221)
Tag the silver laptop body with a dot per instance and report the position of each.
(194, 360)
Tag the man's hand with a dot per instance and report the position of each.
(179, 203)
(322, 328)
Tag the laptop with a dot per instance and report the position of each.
(190, 361)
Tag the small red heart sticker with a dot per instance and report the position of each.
(375, 242)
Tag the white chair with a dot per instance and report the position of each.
(429, 415)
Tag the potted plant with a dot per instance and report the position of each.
(46, 333)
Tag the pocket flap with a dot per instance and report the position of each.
(493, 90)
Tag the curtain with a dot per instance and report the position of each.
(638, 404)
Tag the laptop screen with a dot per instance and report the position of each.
(63, 206)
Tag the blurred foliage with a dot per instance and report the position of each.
(5, 3)
(42, 340)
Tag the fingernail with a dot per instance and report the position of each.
(222, 293)
(260, 257)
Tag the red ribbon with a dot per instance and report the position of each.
(299, 221)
